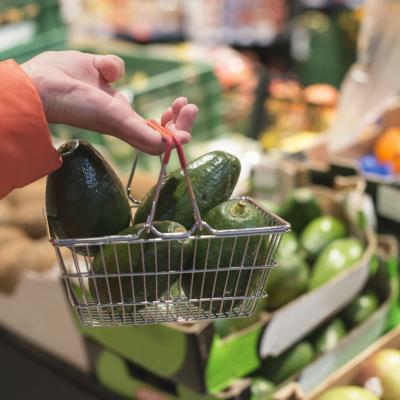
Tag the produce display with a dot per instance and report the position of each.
(316, 251)
(23, 237)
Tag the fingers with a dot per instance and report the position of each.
(111, 68)
(186, 117)
(167, 116)
(177, 106)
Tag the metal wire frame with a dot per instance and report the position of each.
(170, 277)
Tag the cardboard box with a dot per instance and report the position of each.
(385, 283)
(348, 373)
(38, 311)
(356, 340)
(131, 381)
(192, 354)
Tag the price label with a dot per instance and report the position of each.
(388, 202)
(16, 34)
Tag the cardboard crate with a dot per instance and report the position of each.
(133, 382)
(348, 373)
(194, 355)
(385, 284)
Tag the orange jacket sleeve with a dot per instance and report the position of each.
(26, 151)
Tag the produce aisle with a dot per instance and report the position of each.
(258, 260)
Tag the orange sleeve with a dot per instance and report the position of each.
(26, 151)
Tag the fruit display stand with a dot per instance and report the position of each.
(349, 372)
(385, 284)
(195, 356)
(133, 382)
(384, 190)
(33, 27)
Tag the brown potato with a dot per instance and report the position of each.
(30, 218)
(43, 256)
(13, 257)
(5, 212)
(10, 233)
(33, 193)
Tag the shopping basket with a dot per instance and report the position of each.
(171, 285)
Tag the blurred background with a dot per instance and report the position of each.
(305, 93)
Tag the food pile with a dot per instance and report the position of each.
(86, 199)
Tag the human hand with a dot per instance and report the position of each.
(75, 89)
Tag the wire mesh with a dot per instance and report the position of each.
(131, 280)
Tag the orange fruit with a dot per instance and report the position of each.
(387, 148)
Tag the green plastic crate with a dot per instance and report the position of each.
(162, 81)
(38, 24)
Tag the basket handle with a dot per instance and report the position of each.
(169, 136)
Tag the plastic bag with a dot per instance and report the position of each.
(373, 82)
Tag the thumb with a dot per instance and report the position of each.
(111, 68)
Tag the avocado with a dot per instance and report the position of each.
(288, 281)
(261, 389)
(338, 256)
(278, 369)
(300, 208)
(225, 253)
(328, 337)
(319, 233)
(288, 246)
(213, 177)
(167, 255)
(85, 198)
(360, 309)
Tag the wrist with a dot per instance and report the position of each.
(35, 77)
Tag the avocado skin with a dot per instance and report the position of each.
(338, 256)
(300, 208)
(360, 309)
(288, 281)
(213, 177)
(85, 198)
(155, 287)
(329, 336)
(278, 369)
(319, 233)
(232, 254)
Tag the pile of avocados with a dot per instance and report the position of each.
(326, 338)
(318, 249)
(85, 199)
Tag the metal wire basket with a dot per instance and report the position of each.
(154, 277)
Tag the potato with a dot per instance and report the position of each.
(33, 193)
(5, 212)
(43, 256)
(13, 256)
(30, 218)
(10, 233)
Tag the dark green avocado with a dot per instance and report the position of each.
(329, 336)
(166, 255)
(85, 198)
(213, 177)
(230, 252)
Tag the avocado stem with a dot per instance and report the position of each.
(238, 209)
(68, 147)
